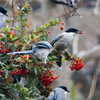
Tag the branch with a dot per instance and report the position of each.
(90, 54)
(75, 45)
(6, 3)
(96, 10)
(92, 87)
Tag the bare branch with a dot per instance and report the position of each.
(96, 10)
(92, 87)
(75, 45)
(90, 54)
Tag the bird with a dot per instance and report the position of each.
(3, 11)
(59, 93)
(40, 51)
(63, 41)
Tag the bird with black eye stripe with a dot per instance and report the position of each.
(63, 41)
(40, 50)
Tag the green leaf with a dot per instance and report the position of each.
(17, 26)
(34, 29)
(35, 70)
(26, 65)
(7, 21)
(2, 96)
(6, 73)
(30, 37)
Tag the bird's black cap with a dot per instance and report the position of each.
(3, 10)
(64, 88)
(73, 30)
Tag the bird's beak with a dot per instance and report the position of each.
(6, 14)
(68, 91)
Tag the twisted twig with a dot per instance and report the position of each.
(6, 3)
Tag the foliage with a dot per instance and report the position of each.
(17, 38)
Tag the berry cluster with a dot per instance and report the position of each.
(77, 64)
(2, 50)
(47, 79)
(20, 72)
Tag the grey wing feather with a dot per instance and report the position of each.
(56, 39)
(1, 25)
(56, 94)
(2, 20)
(43, 45)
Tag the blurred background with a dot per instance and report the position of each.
(85, 83)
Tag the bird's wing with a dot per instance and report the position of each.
(2, 20)
(1, 25)
(51, 96)
(22, 52)
(59, 94)
(56, 39)
(43, 45)
(56, 94)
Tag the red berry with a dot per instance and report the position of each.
(37, 39)
(13, 13)
(2, 46)
(16, 50)
(1, 42)
(0, 35)
(62, 23)
(49, 32)
(30, 56)
(62, 28)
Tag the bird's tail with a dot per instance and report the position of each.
(21, 52)
(59, 61)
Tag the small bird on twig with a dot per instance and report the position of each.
(63, 41)
(40, 51)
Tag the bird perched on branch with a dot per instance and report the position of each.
(64, 40)
(3, 11)
(58, 94)
(40, 50)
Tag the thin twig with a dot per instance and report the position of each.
(13, 12)
(91, 93)
(65, 10)
(6, 3)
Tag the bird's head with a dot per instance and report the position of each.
(64, 88)
(3, 10)
(73, 30)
